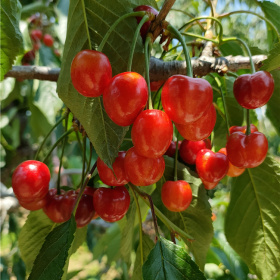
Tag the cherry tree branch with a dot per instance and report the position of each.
(159, 69)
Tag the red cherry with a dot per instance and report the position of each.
(85, 211)
(189, 149)
(125, 97)
(200, 129)
(176, 195)
(152, 133)
(30, 181)
(143, 171)
(233, 171)
(253, 90)
(242, 128)
(208, 185)
(247, 151)
(172, 148)
(156, 85)
(211, 167)
(48, 40)
(36, 35)
(91, 72)
(110, 178)
(34, 205)
(28, 58)
(111, 204)
(88, 191)
(186, 99)
(144, 29)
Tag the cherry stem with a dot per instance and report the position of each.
(61, 156)
(140, 224)
(86, 24)
(171, 226)
(83, 188)
(255, 14)
(49, 133)
(178, 35)
(134, 40)
(176, 159)
(147, 69)
(248, 130)
(90, 156)
(112, 28)
(57, 142)
(200, 37)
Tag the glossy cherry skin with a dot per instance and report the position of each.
(186, 99)
(125, 97)
(208, 185)
(247, 151)
(143, 171)
(144, 29)
(85, 211)
(233, 171)
(211, 167)
(34, 205)
(28, 58)
(253, 90)
(172, 148)
(30, 181)
(152, 133)
(36, 35)
(176, 195)
(200, 129)
(91, 72)
(156, 85)
(111, 204)
(48, 40)
(110, 178)
(189, 149)
(242, 128)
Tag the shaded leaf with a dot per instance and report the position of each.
(170, 261)
(273, 60)
(252, 226)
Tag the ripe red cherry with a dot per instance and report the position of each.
(186, 99)
(36, 35)
(247, 151)
(110, 178)
(30, 181)
(85, 211)
(143, 171)
(233, 171)
(242, 128)
(152, 133)
(200, 129)
(189, 149)
(172, 148)
(144, 29)
(34, 205)
(253, 90)
(111, 204)
(125, 97)
(91, 72)
(48, 40)
(156, 85)
(211, 167)
(176, 195)
(208, 185)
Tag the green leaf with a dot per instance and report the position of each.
(105, 136)
(32, 236)
(52, 257)
(11, 38)
(196, 219)
(252, 226)
(271, 11)
(273, 60)
(169, 261)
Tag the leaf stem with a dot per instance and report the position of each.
(86, 24)
(147, 69)
(134, 40)
(112, 28)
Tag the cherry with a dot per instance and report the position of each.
(34, 205)
(211, 167)
(189, 149)
(156, 85)
(186, 99)
(253, 90)
(85, 211)
(111, 204)
(91, 72)
(30, 181)
(172, 148)
(247, 151)
(152, 133)
(36, 35)
(242, 128)
(110, 178)
(144, 29)
(48, 40)
(200, 129)
(233, 171)
(208, 185)
(125, 97)
(176, 195)
(143, 171)
(28, 58)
